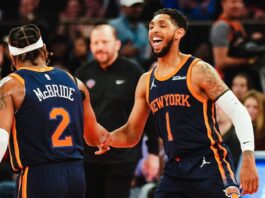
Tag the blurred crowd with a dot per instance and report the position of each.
(235, 50)
(67, 24)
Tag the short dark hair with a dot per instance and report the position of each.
(24, 36)
(176, 17)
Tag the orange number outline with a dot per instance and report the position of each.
(56, 141)
(169, 133)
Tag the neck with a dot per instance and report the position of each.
(173, 56)
(39, 61)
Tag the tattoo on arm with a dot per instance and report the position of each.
(2, 99)
(211, 83)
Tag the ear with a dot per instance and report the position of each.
(179, 33)
(14, 62)
(45, 52)
(11, 57)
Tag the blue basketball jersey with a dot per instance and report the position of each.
(185, 120)
(48, 127)
(187, 123)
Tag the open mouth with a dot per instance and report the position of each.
(156, 41)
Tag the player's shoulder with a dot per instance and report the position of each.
(9, 80)
(202, 70)
(9, 83)
(199, 65)
(5, 81)
(145, 77)
(58, 70)
(62, 73)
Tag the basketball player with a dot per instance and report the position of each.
(42, 116)
(181, 92)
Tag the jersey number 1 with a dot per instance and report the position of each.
(56, 140)
(169, 134)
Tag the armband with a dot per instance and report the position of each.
(240, 118)
(4, 137)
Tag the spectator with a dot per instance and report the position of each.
(48, 12)
(228, 39)
(5, 63)
(111, 81)
(80, 54)
(193, 9)
(241, 84)
(59, 47)
(132, 32)
(254, 102)
(28, 10)
(72, 12)
(257, 43)
(101, 8)
(198, 10)
(93, 9)
(256, 9)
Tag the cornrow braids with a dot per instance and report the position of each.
(24, 36)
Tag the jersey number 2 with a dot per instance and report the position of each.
(56, 140)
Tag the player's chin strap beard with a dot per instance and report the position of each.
(166, 49)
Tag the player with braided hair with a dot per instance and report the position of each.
(22, 37)
(42, 117)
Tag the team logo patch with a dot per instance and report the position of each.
(119, 82)
(232, 192)
(178, 77)
(153, 84)
(90, 83)
(47, 77)
(204, 162)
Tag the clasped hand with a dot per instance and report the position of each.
(104, 145)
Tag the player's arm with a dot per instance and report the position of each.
(209, 82)
(129, 134)
(94, 133)
(6, 115)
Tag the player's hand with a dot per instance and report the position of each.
(104, 145)
(249, 181)
(150, 167)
